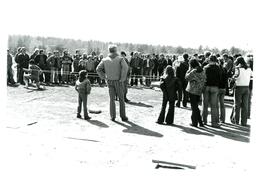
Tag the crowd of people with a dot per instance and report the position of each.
(205, 78)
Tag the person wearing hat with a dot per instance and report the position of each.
(114, 69)
(210, 93)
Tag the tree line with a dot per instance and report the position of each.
(53, 43)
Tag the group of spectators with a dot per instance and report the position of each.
(222, 72)
(209, 79)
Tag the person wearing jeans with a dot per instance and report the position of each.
(242, 79)
(222, 90)
(196, 80)
(210, 94)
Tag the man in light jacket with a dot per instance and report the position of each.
(114, 69)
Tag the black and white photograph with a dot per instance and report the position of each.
(127, 88)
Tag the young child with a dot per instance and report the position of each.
(32, 73)
(169, 85)
(83, 87)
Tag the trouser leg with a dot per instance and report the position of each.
(194, 107)
(119, 88)
(244, 110)
(214, 102)
(79, 107)
(222, 105)
(170, 114)
(205, 100)
(84, 100)
(112, 95)
(238, 102)
(162, 113)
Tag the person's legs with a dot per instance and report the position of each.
(136, 76)
(10, 76)
(18, 74)
(194, 107)
(26, 80)
(249, 103)
(162, 113)
(22, 76)
(238, 102)
(84, 100)
(79, 107)
(112, 94)
(52, 75)
(119, 87)
(55, 75)
(170, 114)
(205, 100)
(132, 76)
(198, 115)
(64, 74)
(244, 110)
(221, 96)
(214, 108)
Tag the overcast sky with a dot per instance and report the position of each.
(188, 23)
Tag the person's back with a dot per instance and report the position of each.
(84, 86)
(112, 66)
(172, 85)
(169, 86)
(114, 69)
(212, 72)
(243, 76)
(181, 70)
(223, 78)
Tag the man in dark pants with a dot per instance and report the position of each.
(114, 69)
(41, 61)
(22, 62)
(180, 73)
